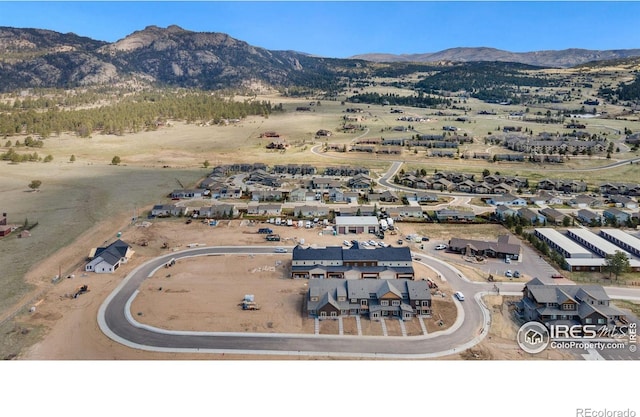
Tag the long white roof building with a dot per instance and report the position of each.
(622, 239)
(594, 242)
(561, 243)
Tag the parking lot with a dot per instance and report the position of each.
(530, 264)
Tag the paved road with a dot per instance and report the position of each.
(116, 321)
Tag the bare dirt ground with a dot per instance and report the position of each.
(200, 294)
(500, 343)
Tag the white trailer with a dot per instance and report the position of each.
(390, 223)
(383, 224)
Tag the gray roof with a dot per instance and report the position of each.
(481, 245)
(118, 249)
(331, 253)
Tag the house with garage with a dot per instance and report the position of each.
(455, 216)
(106, 260)
(422, 198)
(264, 209)
(583, 201)
(384, 197)
(218, 211)
(167, 210)
(323, 183)
(360, 181)
(442, 184)
(267, 195)
(507, 200)
(352, 263)
(588, 217)
(616, 215)
(552, 215)
(503, 211)
(192, 193)
(302, 194)
(624, 201)
(545, 198)
(531, 216)
(568, 304)
(399, 212)
(482, 188)
(311, 211)
(338, 195)
(401, 299)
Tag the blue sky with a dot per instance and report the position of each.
(341, 29)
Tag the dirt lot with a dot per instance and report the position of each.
(185, 299)
(501, 343)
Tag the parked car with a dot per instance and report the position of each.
(281, 250)
(516, 274)
(459, 296)
(400, 241)
(425, 239)
(346, 243)
(508, 273)
(507, 260)
(441, 246)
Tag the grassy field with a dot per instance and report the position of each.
(73, 198)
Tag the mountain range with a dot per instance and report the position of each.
(556, 59)
(174, 56)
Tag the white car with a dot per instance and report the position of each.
(346, 243)
(508, 273)
(459, 296)
(281, 250)
(441, 246)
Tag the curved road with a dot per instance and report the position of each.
(116, 321)
(471, 326)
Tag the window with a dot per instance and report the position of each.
(588, 320)
(395, 303)
(363, 302)
(425, 303)
(323, 314)
(384, 302)
(314, 298)
(334, 314)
